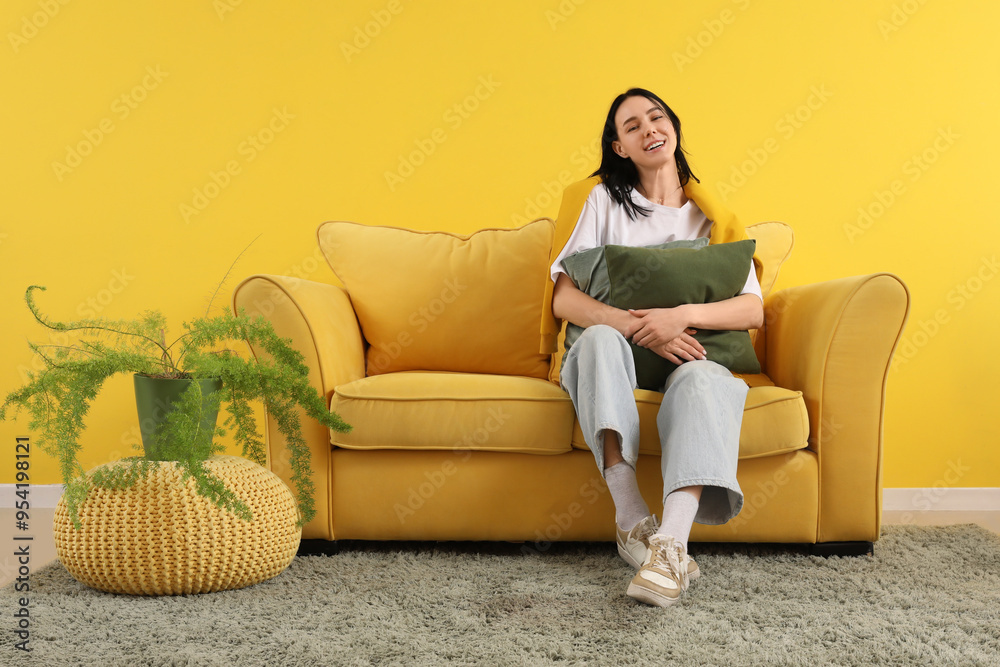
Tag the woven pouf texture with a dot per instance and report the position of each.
(161, 538)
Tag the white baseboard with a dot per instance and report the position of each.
(897, 499)
(40, 496)
(942, 499)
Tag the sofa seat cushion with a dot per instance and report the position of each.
(774, 422)
(420, 410)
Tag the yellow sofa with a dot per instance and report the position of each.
(429, 349)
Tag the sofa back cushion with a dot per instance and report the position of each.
(435, 301)
(774, 245)
(775, 241)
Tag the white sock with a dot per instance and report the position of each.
(679, 510)
(630, 508)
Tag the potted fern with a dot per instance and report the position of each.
(58, 397)
(181, 431)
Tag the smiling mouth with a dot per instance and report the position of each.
(655, 145)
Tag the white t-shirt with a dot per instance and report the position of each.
(604, 221)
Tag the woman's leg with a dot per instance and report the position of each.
(699, 425)
(599, 375)
(630, 506)
(612, 449)
(679, 510)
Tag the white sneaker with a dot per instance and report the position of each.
(633, 544)
(664, 574)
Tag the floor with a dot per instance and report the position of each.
(40, 549)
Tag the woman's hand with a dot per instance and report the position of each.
(626, 323)
(683, 348)
(659, 326)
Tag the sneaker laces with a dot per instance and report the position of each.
(647, 529)
(667, 556)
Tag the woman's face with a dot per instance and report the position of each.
(645, 134)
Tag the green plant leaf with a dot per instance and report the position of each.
(58, 397)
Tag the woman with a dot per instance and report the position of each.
(645, 194)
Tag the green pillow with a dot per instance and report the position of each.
(664, 277)
(589, 272)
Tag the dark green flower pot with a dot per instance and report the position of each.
(154, 398)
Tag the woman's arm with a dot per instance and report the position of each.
(666, 331)
(569, 303)
(741, 312)
(660, 326)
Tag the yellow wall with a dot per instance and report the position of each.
(795, 111)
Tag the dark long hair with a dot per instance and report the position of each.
(618, 173)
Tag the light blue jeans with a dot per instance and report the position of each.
(698, 422)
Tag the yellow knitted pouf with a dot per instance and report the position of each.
(162, 538)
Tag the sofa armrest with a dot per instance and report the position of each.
(834, 341)
(320, 321)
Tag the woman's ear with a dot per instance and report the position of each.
(617, 147)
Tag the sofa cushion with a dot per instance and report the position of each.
(775, 241)
(774, 244)
(439, 301)
(774, 421)
(665, 278)
(432, 410)
(588, 269)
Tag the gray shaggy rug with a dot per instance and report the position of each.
(927, 596)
